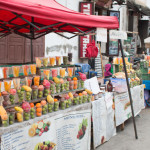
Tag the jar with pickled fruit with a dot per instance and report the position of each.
(62, 72)
(71, 85)
(38, 62)
(65, 60)
(36, 80)
(62, 87)
(54, 73)
(53, 89)
(34, 92)
(84, 99)
(32, 112)
(40, 91)
(56, 105)
(89, 97)
(16, 70)
(76, 99)
(19, 116)
(70, 72)
(44, 109)
(68, 103)
(5, 72)
(45, 61)
(28, 95)
(46, 74)
(46, 91)
(38, 110)
(26, 115)
(63, 103)
(7, 85)
(67, 85)
(57, 88)
(58, 60)
(52, 61)
(50, 107)
(25, 70)
(33, 69)
(82, 84)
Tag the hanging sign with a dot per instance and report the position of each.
(114, 34)
(101, 35)
(86, 8)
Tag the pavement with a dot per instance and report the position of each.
(125, 140)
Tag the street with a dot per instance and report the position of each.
(125, 140)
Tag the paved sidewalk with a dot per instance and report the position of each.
(125, 140)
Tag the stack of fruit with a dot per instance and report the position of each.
(11, 112)
(32, 111)
(38, 110)
(19, 114)
(40, 91)
(50, 101)
(26, 107)
(44, 107)
(34, 92)
(56, 104)
(76, 99)
(28, 91)
(46, 85)
(12, 96)
(63, 103)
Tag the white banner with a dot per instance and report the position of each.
(101, 35)
(114, 34)
(62, 132)
(103, 122)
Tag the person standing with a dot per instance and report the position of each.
(109, 68)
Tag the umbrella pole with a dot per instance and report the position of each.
(31, 50)
(129, 92)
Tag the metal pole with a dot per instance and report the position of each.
(31, 50)
(32, 36)
(130, 97)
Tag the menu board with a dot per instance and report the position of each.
(113, 48)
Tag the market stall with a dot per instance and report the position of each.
(31, 99)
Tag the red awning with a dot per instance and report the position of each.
(45, 16)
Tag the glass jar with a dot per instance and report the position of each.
(40, 91)
(28, 95)
(68, 103)
(11, 118)
(52, 89)
(65, 60)
(58, 88)
(26, 115)
(50, 107)
(80, 99)
(70, 72)
(46, 91)
(16, 70)
(5, 72)
(75, 84)
(21, 95)
(52, 61)
(12, 99)
(44, 109)
(63, 103)
(58, 60)
(5, 122)
(76, 100)
(34, 92)
(67, 85)
(38, 62)
(7, 85)
(45, 61)
(19, 116)
(32, 113)
(79, 84)
(25, 70)
(84, 100)
(70, 57)
(82, 84)
(89, 98)
(33, 69)
(46, 74)
(56, 105)
(62, 87)
(71, 85)
(62, 72)
(54, 73)
(38, 111)
(36, 80)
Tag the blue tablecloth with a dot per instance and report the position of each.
(147, 84)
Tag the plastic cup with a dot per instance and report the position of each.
(45, 61)
(11, 118)
(53, 89)
(44, 109)
(65, 60)
(25, 70)
(62, 72)
(5, 72)
(54, 72)
(34, 92)
(46, 74)
(28, 81)
(7, 85)
(50, 107)
(46, 91)
(58, 60)
(70, 72)
(19, 117)
(36, 80)
(21, 95)
(26, 115)
(32, 113)
(38, 62)
(52, 61)
(16, 83)
(16, 70)
(33, 69)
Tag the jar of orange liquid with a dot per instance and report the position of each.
(52, 61)
(7, 85)
(5, 72)
(70, 72)
(36, 80)
(33, 69)
(25, 70)
(16, 70)
(62, 72)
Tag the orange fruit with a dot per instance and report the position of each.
(43, 102)
(75, 79)
(31, 105)
(39, 110)
(38, 114)
(38, 105)
(55, 100)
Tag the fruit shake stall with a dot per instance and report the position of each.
(32, 107)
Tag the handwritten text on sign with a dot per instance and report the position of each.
(117, 35)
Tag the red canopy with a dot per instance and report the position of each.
(45, 16)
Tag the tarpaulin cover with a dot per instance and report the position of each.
(47, 12)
